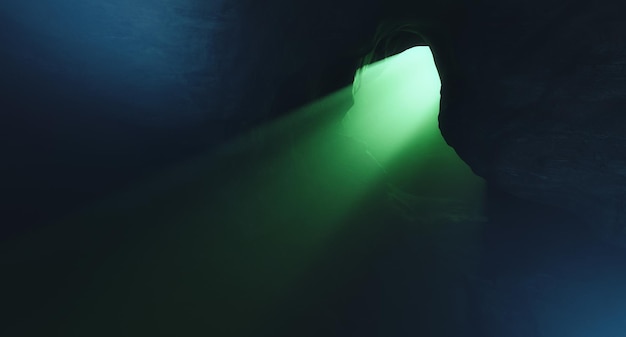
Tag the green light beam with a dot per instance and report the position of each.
(232, 234)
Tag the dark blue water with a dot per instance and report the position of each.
(96, 94)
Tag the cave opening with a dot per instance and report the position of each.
(395, 115)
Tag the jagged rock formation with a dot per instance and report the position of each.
(535, 104)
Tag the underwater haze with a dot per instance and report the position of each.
(96, 94)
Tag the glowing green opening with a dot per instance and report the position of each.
(396, 101)
(395, 114)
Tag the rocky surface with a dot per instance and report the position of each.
(536, 104)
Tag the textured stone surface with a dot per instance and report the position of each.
(536, 106)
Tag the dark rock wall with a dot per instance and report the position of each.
(538, 107)
(97, 94)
